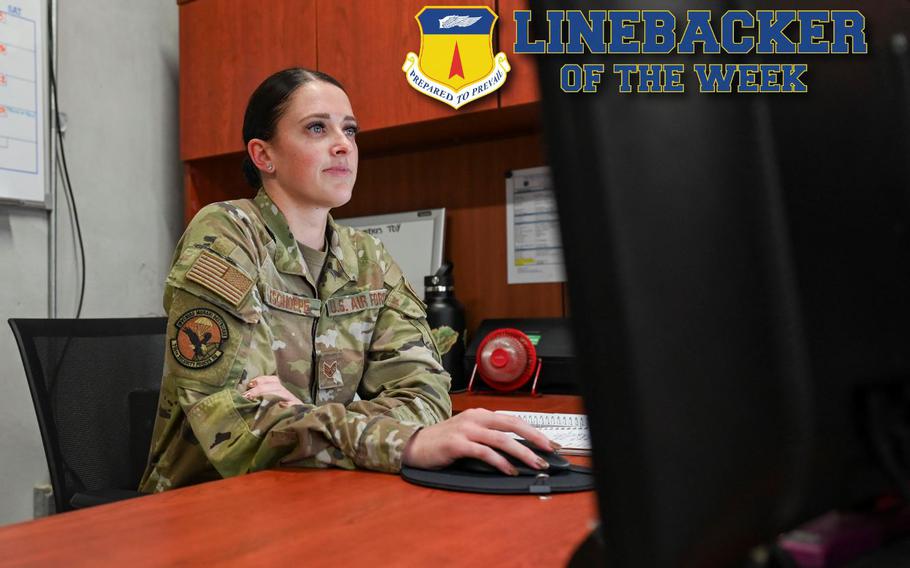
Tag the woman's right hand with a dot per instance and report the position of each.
(473, 434)
(270, 385)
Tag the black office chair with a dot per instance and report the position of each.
(95, 385)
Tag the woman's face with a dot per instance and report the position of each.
(313, 150)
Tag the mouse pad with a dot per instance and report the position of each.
(573, 479)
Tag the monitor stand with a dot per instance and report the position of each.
(590, 552)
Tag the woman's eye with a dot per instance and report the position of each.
(351, 130)
(316, 128)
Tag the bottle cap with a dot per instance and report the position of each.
(442, 278)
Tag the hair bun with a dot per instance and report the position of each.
(251, 173)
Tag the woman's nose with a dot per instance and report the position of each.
(342, 145)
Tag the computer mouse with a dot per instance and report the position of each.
(555, 461)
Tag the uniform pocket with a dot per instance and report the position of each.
(342, 345)
(291, 335)
(219, 280)
(222, 432)
(205, 343)
(404, 301)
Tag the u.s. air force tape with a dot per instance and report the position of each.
(356, 302)
(200, 334)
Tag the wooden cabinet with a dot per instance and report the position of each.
(227, 47)
(360, 42)
(522, 86)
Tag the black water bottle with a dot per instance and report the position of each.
(444, 309)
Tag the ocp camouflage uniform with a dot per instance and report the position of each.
(241, 304)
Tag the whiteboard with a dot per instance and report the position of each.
(414, 239)
(23, 103)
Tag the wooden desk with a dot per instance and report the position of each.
(311, 518)
(520, 401)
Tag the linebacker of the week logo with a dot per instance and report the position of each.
(456, 63)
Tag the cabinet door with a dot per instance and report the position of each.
(522, 85)
(364, 44)
(227, 47)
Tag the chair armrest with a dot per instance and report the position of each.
(101, 497)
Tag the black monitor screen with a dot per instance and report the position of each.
(739, 279)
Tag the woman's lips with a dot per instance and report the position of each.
(337, 171)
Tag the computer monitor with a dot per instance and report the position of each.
(739, 280)
(415, 240)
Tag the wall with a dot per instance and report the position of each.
(23, 293)
(117, 77)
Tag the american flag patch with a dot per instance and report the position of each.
(219, 276)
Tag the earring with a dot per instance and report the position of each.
(270, 167)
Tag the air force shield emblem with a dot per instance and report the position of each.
(456, 63)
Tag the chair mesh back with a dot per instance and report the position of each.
(96, 383)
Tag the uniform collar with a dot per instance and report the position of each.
(341, 255)
(341, 248)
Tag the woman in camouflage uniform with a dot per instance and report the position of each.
(293, 340)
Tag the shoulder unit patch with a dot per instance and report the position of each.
(200, 334)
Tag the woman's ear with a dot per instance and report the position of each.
(258, 150)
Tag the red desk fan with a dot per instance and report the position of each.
(506, 360)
